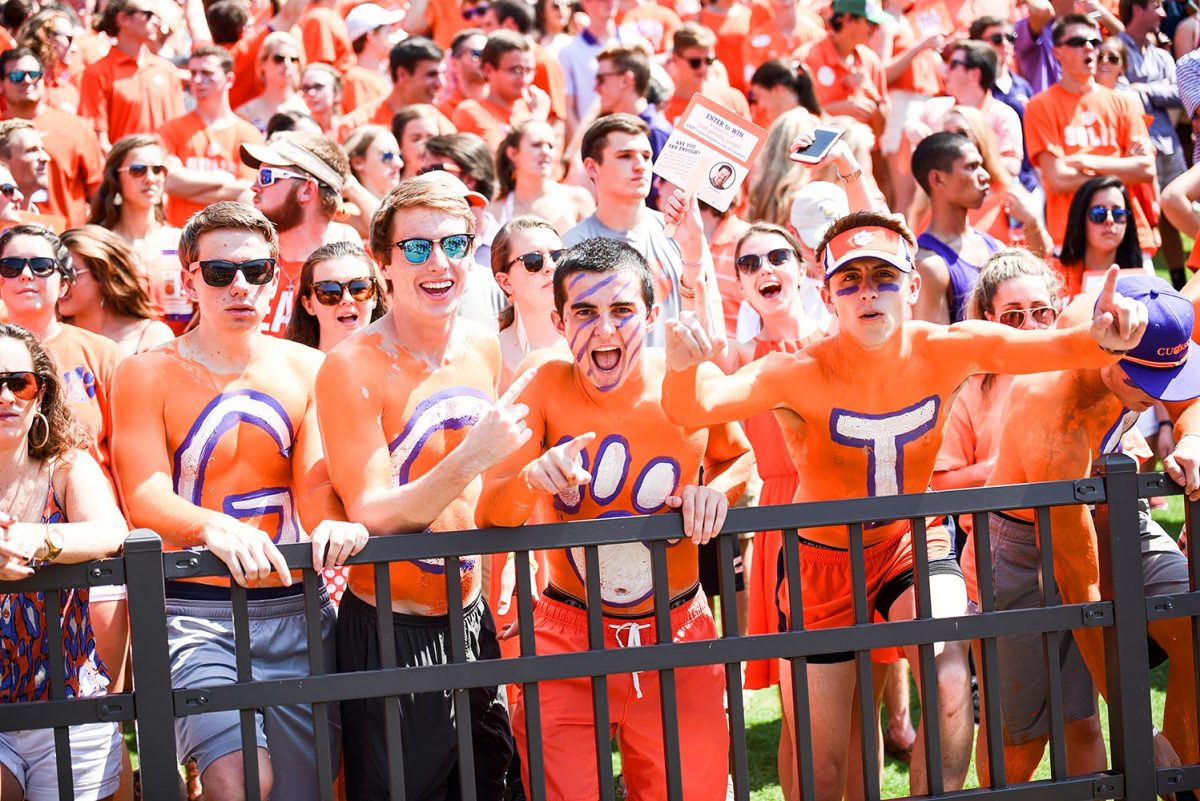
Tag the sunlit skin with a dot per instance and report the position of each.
(624, 169)
(424, 83)
(241, 305)
(317, 88)
(605, 321)
(1105, 237)
(375, 174)
(284, 75)
(16, 415)
(412, 143)
(1022, 293)
(531, 293)
(10, 206)
(511, 79)
(147, 191)
(340, 321)
(1107, 74)
(773, 288)
(31, 300)
(870, 298)
(84, 291)
(431, 291)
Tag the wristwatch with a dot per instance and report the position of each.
(52, 546)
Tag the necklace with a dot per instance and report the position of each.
(19, 486)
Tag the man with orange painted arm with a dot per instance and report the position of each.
(1069, 420)
(408, 408)
(853, 429)
(624, 457)
(217, 446)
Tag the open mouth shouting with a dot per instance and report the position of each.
(770, 288)
(606, 359)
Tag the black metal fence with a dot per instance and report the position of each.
(155, 704)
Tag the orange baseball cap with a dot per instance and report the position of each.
(868, 242)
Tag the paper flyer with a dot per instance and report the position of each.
(710, 151)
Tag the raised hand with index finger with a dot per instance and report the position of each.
(560, 468)
(501, 430)
(1118, 322)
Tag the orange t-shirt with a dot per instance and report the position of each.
(283, 303)
(654, 23)
(922, 76)
(232, 443)
(205, 148)
(378, 112)
(1100, 122)
(829, 73)
(325, 38)
(86, 363)
(391, 419)
(731, 99)
(732, 30)
(445, 21)
(245, 60)
(548, 76)
(76, 164)
(489, 121)
(637, 460)
(766, 41)
(361, 85)
(61, 91)
(123, 96)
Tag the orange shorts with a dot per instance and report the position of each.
(634, 710)
(826, 580)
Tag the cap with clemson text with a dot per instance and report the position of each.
(868, 242)
(1161, 364)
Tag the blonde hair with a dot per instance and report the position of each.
(773, 188)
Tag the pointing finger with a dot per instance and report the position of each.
(516, 388)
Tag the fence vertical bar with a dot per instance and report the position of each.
(387, 659)
(989, 670)
(52, 601)
(668, 699)
(531, 692)
(1051, 643)
(241, 649)
(1191, 521)
(868, 721)
(316, 667)
(1126, 662)
(462, 697)
(799, 667)
(595, 625)
(930, 703)
(727, 574)
(144, 579)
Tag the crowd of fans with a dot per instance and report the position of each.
(325, 269)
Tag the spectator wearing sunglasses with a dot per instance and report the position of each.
(131, 90)
(279, 65)
(509, 97)
(1100, 233)
(578, 57)
(256, 393)
(341, 292)
(1077, 129)
(299, 189)
(525, 165)
(420, 356)
(693, 66)
(206, 141)
(75, 158)
(374, 171)
(622, 78)
(50, 35)
(22, 151)
(107, 295)
(62, 511)
(322, 88)
(11, 200)
(464, 72)
(524, 254)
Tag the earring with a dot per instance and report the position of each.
(45, 428)
(116, 201)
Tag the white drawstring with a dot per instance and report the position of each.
(634, 640)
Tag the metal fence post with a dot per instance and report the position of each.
(1126, 660)
(152, 666)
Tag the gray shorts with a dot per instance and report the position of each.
(1023, 682)
(201, 641)
(1169, 166)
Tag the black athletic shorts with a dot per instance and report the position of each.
(710, 567)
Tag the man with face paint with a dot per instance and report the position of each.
(1067, 420)
(623, 457)
(853, 429)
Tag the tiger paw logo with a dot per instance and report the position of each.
(625, 576)
(79, 385)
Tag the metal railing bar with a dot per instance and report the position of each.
(799, 666)
(739, 762)
(316, 667)
(462, 697)
(595, 626)
(1051, 644)
(531, 692)
(387, 660)
(101, 572)
(989, 671)
(241, 649)
(868, 721)
(927, 680)
(668, 700)
(52, 601)
(69, 712)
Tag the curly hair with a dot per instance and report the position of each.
(106, 209)
(112, 263)
(303, 327)
(63, 433)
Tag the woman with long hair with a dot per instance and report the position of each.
(524, 254)
(340, 291)
(1016, 289)
(279, 65)
(57, 508)
(321, 87)
(50, 34)
(374, 160)
(525, 163)
(413, 126)
(553, 21)
(1100, 233)
(107, 296)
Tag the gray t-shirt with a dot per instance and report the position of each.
(650, 239)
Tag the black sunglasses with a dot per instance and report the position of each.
(1000, 38)
(279, 58)
(698, 62)
(8, 190)
(23, 385)
(1082, 41)
(219, 272)
(751, 263)
(329, 293)
(41, 266)
(476, 12)
(138, 170)
(536, 262)
(1109, 58)
(1098, 214)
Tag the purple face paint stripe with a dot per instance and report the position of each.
(587, 293)
(888, 286)
(847, 290)
(575, 279)
(631, 318)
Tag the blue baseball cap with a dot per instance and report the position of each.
(1162, 365)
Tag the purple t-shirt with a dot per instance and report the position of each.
(1035, 57)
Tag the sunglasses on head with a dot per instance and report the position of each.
(1099, 214)
(19, 76)
(1043, 316)
(219, 272)
(1000, 38)
(750, 263)
(698, 62)
(329, 293)
(279, 58)
(418, 251)
(23, 385)
(138, 170)
(41, 266)
(536, 262)
(1109, 58)
(1082, 41)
